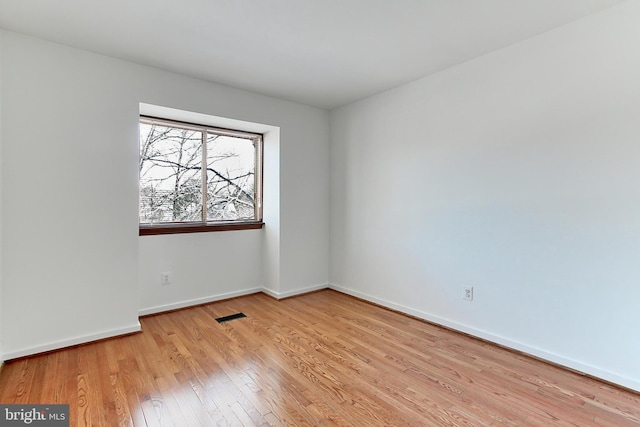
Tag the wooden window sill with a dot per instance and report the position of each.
(150, 230)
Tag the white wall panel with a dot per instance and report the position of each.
(515, 173)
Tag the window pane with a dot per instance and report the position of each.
(230, 178)
(170, 174)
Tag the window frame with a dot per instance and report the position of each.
(146, 229)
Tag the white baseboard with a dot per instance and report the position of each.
(536, 352)
(505, 342)
(196, 301)
(57, 345)
(293, 293)
(228, 295)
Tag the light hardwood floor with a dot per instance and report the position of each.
(320, 359)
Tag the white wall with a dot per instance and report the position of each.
(516, 173)
(203, 266)
(304, 208)
(69, 244)
(75, 268)
(212, 266)
(294, 244)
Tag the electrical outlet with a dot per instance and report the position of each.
(467, 293)
(165, 278)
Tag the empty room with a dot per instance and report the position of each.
(319, 213)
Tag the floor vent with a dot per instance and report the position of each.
(231, 317)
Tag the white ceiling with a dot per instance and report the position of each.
(324, 53)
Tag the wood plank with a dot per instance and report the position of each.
(324, 359)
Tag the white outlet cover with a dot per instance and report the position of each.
(165, 278)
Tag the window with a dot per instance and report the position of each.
(198, 178)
